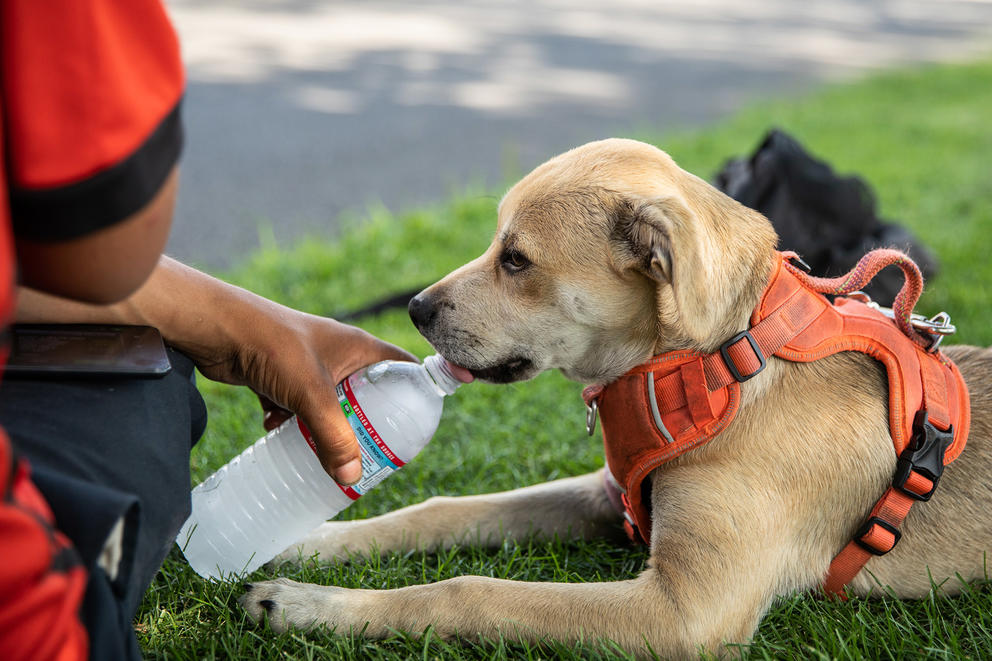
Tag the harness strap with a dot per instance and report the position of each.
(694, 384)
(744, 355)
(918, 471)
(680, 400)
(933, 434)
(876, 536)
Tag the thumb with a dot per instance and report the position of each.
(334, 440)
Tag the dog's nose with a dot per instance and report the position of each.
(422, 311)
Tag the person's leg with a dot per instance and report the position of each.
(105, 451)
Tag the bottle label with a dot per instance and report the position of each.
(378, 461)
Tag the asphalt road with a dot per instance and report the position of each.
(298, 111)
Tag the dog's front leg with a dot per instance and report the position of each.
(715, 569)
(570, 507)
(637, 614)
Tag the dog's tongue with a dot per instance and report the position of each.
(460, 372)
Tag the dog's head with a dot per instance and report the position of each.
(603, 256)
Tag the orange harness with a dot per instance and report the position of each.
(679, 400)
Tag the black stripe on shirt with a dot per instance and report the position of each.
(106, 198)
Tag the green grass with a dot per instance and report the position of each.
(920, 138)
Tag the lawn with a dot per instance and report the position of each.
(920, 138)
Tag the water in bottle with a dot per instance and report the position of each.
(276, 491)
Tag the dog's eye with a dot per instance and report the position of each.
(514, 261)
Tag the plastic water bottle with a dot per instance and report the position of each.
(276, 491)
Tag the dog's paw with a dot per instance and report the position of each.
(283, 602)
(288, 604)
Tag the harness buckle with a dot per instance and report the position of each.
(799, 263)
(924, 455)
(724, 352)
(868, 527)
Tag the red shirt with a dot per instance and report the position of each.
(89, 129)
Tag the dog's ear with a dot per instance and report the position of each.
(646, 229)
(663, 239)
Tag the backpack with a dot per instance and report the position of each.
(829, 220)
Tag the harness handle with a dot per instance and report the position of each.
(862, 273)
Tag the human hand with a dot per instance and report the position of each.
(293, 361)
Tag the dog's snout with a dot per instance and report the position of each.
(422, 311)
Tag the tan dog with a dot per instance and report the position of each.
(603, 257)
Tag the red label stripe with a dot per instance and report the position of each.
(307, 435)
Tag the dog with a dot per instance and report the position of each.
(603, 257)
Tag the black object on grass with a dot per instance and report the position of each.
(830, 220)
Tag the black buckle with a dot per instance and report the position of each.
(730, 363)
(798, 262)
(866, 528)
(924, 454)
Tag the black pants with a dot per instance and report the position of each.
(105, 449)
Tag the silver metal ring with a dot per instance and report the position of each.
(592, 412)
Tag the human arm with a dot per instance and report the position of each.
(107, 265)
(291, 358)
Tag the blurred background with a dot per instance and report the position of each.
(302, 112)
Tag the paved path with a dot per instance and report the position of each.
(300, 110)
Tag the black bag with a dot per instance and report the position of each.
(828, 219)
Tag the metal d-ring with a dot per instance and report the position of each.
(592, 412)
(939, 326)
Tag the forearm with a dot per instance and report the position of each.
(289, 358)
(195, 312)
